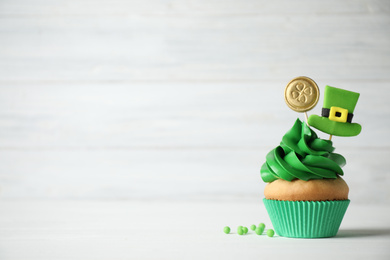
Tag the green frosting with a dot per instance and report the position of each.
(302, 155)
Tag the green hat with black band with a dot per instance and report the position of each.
(337, 113)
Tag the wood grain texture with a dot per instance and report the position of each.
(176, 174)
(161, 7)
(170, 115)
(158, 229)
(86, 41)
(136, 99)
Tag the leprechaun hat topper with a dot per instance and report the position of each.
(337, 113)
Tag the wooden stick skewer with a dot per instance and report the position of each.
(330, 137)
(307, 121)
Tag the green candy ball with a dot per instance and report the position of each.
(226, 230)
(253, 227)
(245, 229)
(270, 232)
(262, 225)
(259, 231)
(240, 230)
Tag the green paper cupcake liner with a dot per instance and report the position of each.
(306, 219)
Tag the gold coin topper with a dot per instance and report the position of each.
(301, 94)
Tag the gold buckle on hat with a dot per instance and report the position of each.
(338, 114)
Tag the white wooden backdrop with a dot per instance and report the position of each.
(180, 99)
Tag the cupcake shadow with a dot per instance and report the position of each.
(343, 233)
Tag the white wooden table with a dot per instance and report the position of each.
(158, 229)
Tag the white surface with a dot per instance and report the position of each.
(157, 229)
(193, 40)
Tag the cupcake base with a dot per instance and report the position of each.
(306, 219)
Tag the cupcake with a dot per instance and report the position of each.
(305, 195)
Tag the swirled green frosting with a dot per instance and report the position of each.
(302, 155)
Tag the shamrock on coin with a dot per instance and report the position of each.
(300, 92)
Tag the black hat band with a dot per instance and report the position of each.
(326, 111)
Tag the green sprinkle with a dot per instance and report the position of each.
(253, 227)
(240, 230)
(245, 229)
(259, 230)
(262, 225)
(270, 232)
(226, 230)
